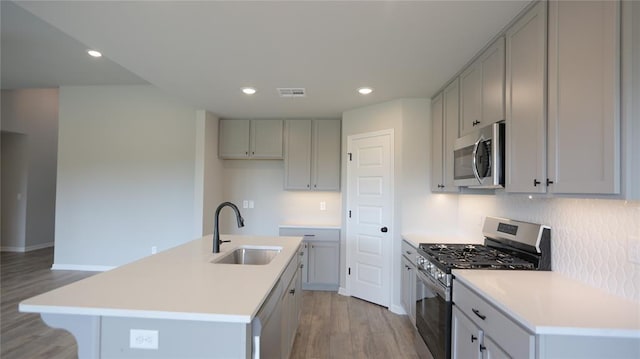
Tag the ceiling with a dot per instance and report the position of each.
(203, 52)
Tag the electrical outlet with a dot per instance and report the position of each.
(323, 206)
(154, 250)
(245, 204)
(143, 339)
(250, 203)
(633, 249)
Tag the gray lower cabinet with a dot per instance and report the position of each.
(321, 256)
(291, 309)
(312, 155)
(408, 280)
(250, 139)
(477, 325)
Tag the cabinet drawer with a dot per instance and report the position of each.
(510, 336)
(410, 252)
(313, 234)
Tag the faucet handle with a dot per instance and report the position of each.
(221, 241)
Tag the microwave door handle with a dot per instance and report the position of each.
(473, 159)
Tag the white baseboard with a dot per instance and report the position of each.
(81, 267)
(344, 291)
(397, 309)
(26, 249)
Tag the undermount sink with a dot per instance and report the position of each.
(250, 256)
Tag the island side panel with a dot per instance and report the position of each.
(176, 339)
(85, 329)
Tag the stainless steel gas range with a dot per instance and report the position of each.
(509, 245)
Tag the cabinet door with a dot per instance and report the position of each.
(266, 139)
(584, 81)
(323, 263)
(326, 155)
(291, 305)
(492, 61)
(525, 109)
(470, 98)
(492, 351)
(465, 337)
(451, 120)
(407, 277)
(234, 139)
(297, 163)
(437, 143)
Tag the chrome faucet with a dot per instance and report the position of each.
(216, 230)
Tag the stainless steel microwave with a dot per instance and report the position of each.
(478, 158)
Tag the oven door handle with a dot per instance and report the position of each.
(436, 287)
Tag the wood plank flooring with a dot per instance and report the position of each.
(331, 326)
(335, 326)
(23, 335)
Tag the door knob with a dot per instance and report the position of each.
(384, 229)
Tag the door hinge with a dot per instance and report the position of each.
(349, 213)
(350, 157)
(349, 270)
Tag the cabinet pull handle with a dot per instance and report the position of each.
(301, 254)
(473, 338)
(308, 235)
(301, 266)
(477, 312)
(440, 186)
(482, 348)
(476, 122)
(536, 182)
(549, 182)
(246, 153)
(292, 291)
(408, 252)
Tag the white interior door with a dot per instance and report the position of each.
(369, 215)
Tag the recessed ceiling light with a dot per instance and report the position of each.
(248, 90)
(94, 53)
(365, 90)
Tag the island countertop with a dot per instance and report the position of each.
(550, 303)
(180, 283)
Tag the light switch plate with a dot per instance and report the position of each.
(633, 249)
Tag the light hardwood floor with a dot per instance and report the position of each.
(332, 326)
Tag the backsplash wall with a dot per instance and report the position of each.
(591, 239)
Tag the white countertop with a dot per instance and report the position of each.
(550, 303)
(179, 283)
(318, 226)
(416, 238)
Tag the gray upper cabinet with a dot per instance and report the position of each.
(526, 43)
(312, 155)
(584, 82)
(444, 117)
(482, 89)
(250, 139)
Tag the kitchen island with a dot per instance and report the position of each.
(177, 303)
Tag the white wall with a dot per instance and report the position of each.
(262, 182)
(126, 175)
(34, 113)
(208, 191)
(14, 191)
(415, 208)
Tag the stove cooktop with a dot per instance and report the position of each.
(472, 256)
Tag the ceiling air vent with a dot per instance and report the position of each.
(292, 92)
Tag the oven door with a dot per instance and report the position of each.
(433, 315)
